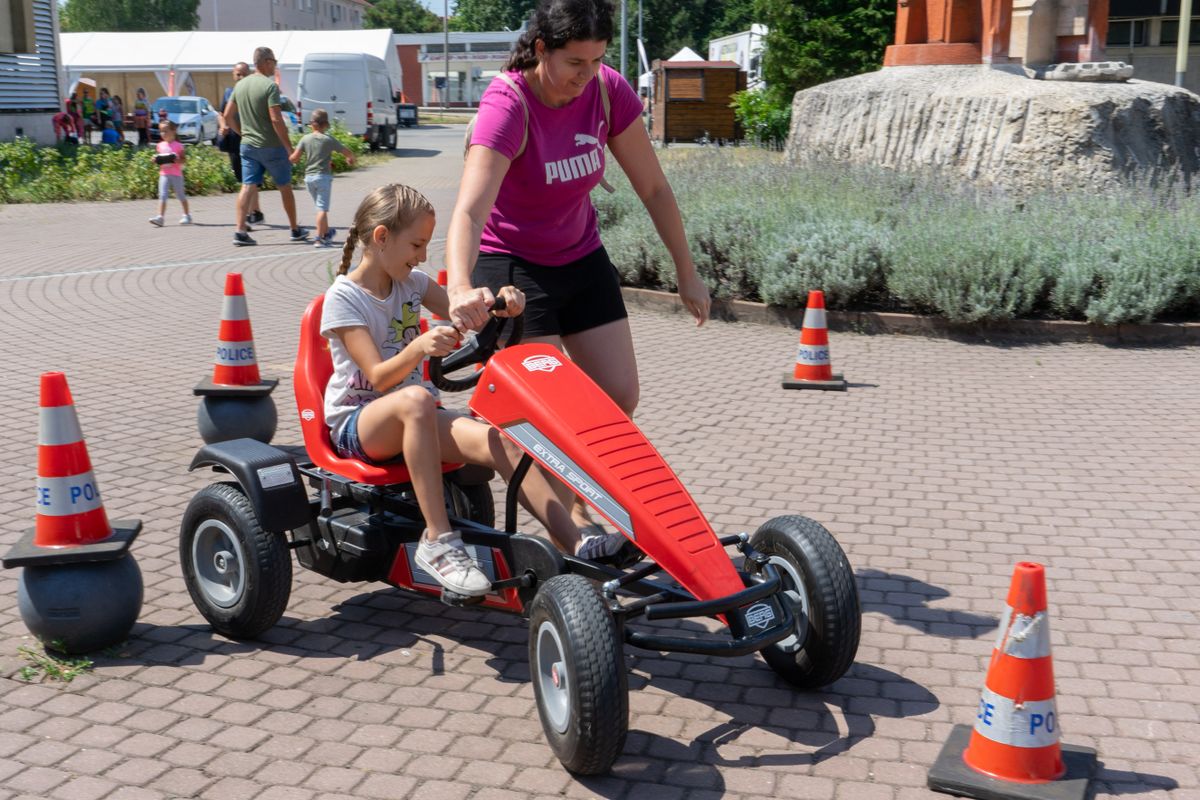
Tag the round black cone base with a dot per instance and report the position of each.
(837, 384)
(950, 774)
(206, 388)
(27, 554)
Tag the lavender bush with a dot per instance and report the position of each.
(875, 238)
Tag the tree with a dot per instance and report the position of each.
(129, 15)
(402, 16)
(814, 41)
(490, 15)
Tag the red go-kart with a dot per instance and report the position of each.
(793, 598)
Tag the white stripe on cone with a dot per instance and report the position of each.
(1033, 724)
(234, 308)
(812, 355)
(1024, 637)
(60, 497)
(814, 318)
(235, 354)
(58, 425)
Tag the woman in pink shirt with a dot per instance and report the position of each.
(524, 214)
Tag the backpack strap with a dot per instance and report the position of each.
(524, 108)
(608, 187)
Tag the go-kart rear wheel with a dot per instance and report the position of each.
(472, 502)
(575, 662)
(819, 582)
(238, 575)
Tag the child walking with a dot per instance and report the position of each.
(377, 406)
(317, 148)
(170, 173)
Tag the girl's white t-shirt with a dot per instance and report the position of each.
(393, 322)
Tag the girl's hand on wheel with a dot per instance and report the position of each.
(694, 295)
(469, 307)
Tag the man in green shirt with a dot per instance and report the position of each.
(253, 112)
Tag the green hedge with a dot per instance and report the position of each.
(878, 239)
(30, 173)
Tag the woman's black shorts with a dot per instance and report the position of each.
(559, 301)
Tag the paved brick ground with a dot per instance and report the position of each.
(943, 465)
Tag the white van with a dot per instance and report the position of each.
(354, 88)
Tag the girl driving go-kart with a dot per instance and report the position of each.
(377, 405)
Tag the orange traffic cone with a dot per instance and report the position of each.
(69, 510)
(1013, 751)
(236, 400)
(71, 524)
(813, 369)
(235, 363)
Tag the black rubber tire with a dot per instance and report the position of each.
(471, 502)
(266, 574)
(597, 686)
(835, 617)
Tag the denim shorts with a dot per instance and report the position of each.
(271, 160)
(319, 186)
(347, 444)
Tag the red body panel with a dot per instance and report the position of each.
(557, 414)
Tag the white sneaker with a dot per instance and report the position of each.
(447, 562)
(157, 221)
(186, 219)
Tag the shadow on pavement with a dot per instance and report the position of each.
(414, 152)
(906, 600)
(1120, 781)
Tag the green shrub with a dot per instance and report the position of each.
(762, 119)
(30, 173)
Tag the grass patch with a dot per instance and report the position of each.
(877, 239)
(44, 665)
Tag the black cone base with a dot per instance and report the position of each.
(950, 774)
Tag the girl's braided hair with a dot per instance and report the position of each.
(394, 206)
(557, 22)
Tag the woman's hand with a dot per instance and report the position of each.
(694, 295)
(514, 302)
(469, 307)
(438, 340)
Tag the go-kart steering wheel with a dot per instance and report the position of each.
(475, 351)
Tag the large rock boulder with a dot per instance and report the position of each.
(1000, 126)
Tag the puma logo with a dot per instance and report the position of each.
(582, 139)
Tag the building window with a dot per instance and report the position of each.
(1170, 32)
(1126, 33)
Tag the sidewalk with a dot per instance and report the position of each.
(943, 465)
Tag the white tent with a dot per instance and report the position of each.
(686, 54)
(214, 51)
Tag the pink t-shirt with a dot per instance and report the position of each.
(175, 147)
(544, 211)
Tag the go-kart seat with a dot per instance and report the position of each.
(314, 365)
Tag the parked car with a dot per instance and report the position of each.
(354, 88)
(196, 118)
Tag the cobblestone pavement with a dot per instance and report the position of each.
(943, 465)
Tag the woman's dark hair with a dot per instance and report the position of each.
(557, 22)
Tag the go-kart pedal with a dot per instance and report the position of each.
(456, 600)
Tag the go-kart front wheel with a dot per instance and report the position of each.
(576, 664)
(238, 575)
(818, 581)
